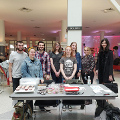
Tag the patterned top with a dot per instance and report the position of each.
(88, 64)
(45, 61)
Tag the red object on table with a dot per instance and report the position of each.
(71, 89)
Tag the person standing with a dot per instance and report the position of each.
(46, 67)
(55, 57)
(15, 60)
(31, 68)
(88, 65)
(104, 66)
(78, 58)
(68, 67)
(44, 59)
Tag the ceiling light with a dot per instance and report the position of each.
(108, 10)
(24, 9)
(43, 39)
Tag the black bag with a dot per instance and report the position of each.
(112, 86)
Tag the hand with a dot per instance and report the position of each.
(70, 77)
(66, 78)
(96, 72)
(78, 74)
(57, 74)
(42, 81)
(47, 77)
(110, 78)
(10, 79)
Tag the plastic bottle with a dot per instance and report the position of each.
(89, 81)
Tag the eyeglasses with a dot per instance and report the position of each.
(86, 50)
(57, 45)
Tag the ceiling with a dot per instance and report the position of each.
(47, 14)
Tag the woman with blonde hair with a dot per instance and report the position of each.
(55, 57)
(88, 64)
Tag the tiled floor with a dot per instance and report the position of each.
(6, 108)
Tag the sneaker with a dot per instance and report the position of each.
(64, 108)
(82, 106)
(70, 108)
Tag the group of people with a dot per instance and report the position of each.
(61, 65)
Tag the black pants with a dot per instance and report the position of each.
(91, 77)
(15, 83)
(56, 79)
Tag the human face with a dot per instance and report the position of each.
(32, 53)
(41, 46)
(104, 44)
(86, 51)
(19, 46)
(57, 46)
(68, 51)
(74, 46)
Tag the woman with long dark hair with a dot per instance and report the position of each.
(104, 65)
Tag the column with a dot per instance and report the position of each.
(19, 36)
(28, 41)
(63, 30)
(2, 39)
(102, 35)
(74, 20)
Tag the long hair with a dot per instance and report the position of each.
(76, 45)
(71, 55)
(43, 43)
(88, 50)
(54, 48)
(107, 47)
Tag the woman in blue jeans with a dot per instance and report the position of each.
(32, 68)
(55, 57)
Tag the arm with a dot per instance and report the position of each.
(41, 74)
(62, 71)
(48, 67)
(74, 71)
(111, 66)
(24, 70)
(52, 66)
(10, 72)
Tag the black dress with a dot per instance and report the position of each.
(104, 66)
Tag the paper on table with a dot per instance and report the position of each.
(96, 87)
(97, 91)
(109, 91)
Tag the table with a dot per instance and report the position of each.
(88, 94)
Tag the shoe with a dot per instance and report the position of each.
(64, 108)
(42, 108)
(70, 108)
(82, 106)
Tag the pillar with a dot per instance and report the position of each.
(74, 20)
(102, 35)
(19, 36)
(63, 30)
(2, 38)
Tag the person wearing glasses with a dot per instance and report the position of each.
(88, 64)
(55, 57)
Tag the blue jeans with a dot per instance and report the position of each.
(15, 83)
(56, 79)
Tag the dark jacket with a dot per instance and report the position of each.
(108, 66)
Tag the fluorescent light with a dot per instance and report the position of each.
(115, 4)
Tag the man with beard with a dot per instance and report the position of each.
(15, 60)
(44, 59)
